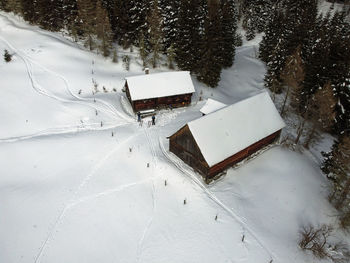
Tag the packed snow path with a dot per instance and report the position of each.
(82, 181)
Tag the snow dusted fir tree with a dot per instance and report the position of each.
(211, 60)
(170, 15)
(229, 27)
(256, 14)
(12, 5)
(154, 33)
(337, 167)
(103, 29)
(190, 34)
(320, 113)
(292, 77)
(87, 21)
(130, 19)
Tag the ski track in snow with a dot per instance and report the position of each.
(42, 32)
(69, 43)
(106, 193)
(65, 130)
(149, 224)
(216, 200)
(108, 109)
(72, 201)
(105, 107)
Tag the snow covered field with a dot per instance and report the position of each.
(72, 192)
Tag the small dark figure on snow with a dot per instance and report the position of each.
(153, 120)
(138, 116)
(7, 56)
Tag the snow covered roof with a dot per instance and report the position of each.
(227, 131)
(160, 85)
(212, 106)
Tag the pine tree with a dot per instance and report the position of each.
(171, 56)
(337, 167)
(87, 20)
(321, 113)
(170, 15)
(14, 5)
(143, 52)
(256, 14)
(342, 90)
(190, 34)
(103, 29)
(115, 56)
(211, 59)
(130, 20)
(154, 33)
(30, 10)
(293, 76)
(228, 29)
(3, 4)
(273, 34)
(50, 14)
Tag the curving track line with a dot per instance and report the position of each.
(72, 201)
(105, 107)
(216, 200)
(150, 222)
(66, 130)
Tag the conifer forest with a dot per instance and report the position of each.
(305, 55)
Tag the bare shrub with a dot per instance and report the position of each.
(317, 241)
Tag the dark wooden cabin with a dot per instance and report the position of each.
(152, 91)
(221, 139)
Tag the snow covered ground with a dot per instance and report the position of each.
(81, 181)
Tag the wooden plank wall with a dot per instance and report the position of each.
(218, 168)
(184, 146)
(174, 101)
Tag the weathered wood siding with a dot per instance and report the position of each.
(185, 147)
(127, 91)
(218, 168)
(153, 103)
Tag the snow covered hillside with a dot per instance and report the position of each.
(81, 181)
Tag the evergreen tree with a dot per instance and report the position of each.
(256, 14)
(321, 113)
(171, 56)
(130, 20)
(143, 50)
(190, 34)
(293, 76)
(30, 10)
(228, 29)
(300, 17)
(211, 59)
(170, 15)
(103, 29)
(3, 4)
(337, 167)
(273, 35)
(14, 6)
(342, 90)
(154, 23)
(50, 14)
(87, 20)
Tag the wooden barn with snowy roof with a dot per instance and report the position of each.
(151, 91)
(220, 139)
